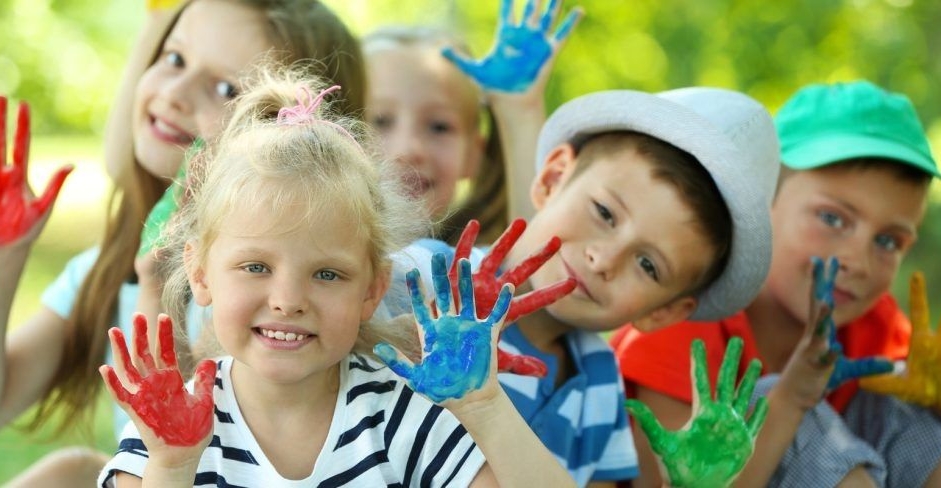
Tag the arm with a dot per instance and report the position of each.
(28, 359)
(514, 76)
(672, 414)
(459, 372)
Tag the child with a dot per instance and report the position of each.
(52, 359)
(438, 123)
(654, 199)
(856, 175)
(288, 237)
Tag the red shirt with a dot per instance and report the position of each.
(660, 360)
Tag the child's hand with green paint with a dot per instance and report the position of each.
(719, 438)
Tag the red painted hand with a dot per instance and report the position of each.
(19, 210)
(487, 286)
(153, 393)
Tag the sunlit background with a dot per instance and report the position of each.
(65, 58)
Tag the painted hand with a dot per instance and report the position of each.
(844, 369)
(21, 213)
(487, 286)
(920, 383)
(153, 393)
(457, 347)
(520, 50)
(717, 441)
(168, 204)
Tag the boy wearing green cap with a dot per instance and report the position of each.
(854, 185)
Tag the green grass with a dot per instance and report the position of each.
(76, 223)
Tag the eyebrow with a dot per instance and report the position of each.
(617, 198)
(899, 226)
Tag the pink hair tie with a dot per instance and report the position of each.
(306, 113)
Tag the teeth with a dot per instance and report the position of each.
(166, 129)
(280, 335)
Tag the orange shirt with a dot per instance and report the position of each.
(660, 360)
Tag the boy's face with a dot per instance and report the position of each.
(628, 239)
(867, 218)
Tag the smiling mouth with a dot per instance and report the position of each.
(170, 133)
(280, 335)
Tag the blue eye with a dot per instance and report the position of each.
(226, 90)
(381, 121)
(327, 275)
(830, 219)
(174, 58)
(887, 243)
(604, 213)
(649, 267)
(440, 127)
(255, 268)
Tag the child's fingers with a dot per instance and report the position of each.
(747, 386)
(702, 392)
(467, 66)
(165, 341)
(530, 12)
(520, 364)
(649, 424)
(416, 292)
(918, 303)
(118, 392)
(122, 358)
(528, 266)
(506, 13)
(501, 307)
(534, 300)
(52, 189)
(491, 262)
(21, 142)
(567, 26)
(758, 416)
(395, 360)
(725, 385)
(205, 380)
(441, 283)
(549, 15)
(3, 134)
(465, 285)
(142, 345)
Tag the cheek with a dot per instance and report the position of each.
(210, 119)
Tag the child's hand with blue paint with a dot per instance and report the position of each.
(719, 439)
(521, 50)
(458, 349)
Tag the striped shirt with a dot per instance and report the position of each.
(382, 434)
(582, 422)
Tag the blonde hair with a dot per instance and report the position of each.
(487, 200)
(305, 32)
(321, 161)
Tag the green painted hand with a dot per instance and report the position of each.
(168, 204)
(714, 445)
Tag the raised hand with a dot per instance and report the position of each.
(712, 448)
(19, 210)
(457, 347)
(488, 285)
(920, 383)
(520, 50)
(153, 395)
(844, 369)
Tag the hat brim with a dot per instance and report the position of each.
(657, 116)
(827, 149)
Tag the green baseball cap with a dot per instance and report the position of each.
(823, 124)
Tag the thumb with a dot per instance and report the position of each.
(655, 432)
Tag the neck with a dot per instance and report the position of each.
(776, 331)
(308, 398)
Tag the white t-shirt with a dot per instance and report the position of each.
(382, 434)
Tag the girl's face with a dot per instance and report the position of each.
(425, 111)
(183, 94)
(287, 297)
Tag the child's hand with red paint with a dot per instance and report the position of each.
(488, 281)
(21, 213)
(175, 425)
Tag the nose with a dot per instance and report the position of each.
(854, 255)
(178, 92)
(604, 257)
(288, 297)
(405, 145)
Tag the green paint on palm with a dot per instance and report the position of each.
(169, 203)
(716, 443)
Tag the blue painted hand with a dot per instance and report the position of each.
(458, 349)
(520, 50)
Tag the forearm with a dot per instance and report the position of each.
(168, 477)
(777, 435)
(519, 119)
(515, 455)
(13, 261)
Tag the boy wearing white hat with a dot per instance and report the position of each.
(655, 200)
(857, 167)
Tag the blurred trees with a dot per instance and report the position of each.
(65, 56)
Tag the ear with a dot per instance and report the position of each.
(196, 274)
(674, 312)
(555, 171)
(377, 289)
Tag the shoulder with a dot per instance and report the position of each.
(61, 294)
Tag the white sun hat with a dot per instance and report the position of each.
(732, 136)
